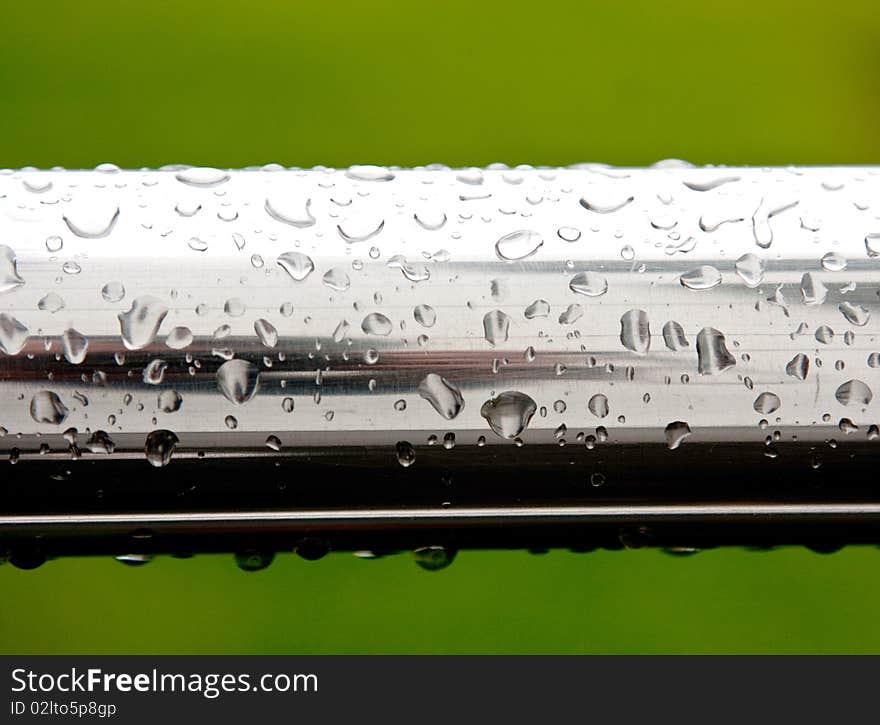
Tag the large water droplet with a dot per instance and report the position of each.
(290, 210)
(46, 407)
(854, 314)
(159, 447)
(496, 327)
(590, 284)
(360, 227)
(635, 331)
(202, 176)
(170, 401)
(406, 454)
(154, 372)
(872, 244)
(434, 558)
(538, 308)
(798, 366)
(767, 403)
(445, 398)
(376, 324)
(254, 560)
(100, 442)
(675, 433)
(369, 173)
(75, 346)
(430, 219)
(761, 229)
(605, 204)
(853, 392)
(518, 245)
(92, 221)
(266, 332)
(51, 303)
(296, 264)
(750, 269)
(140, 324)
(833, 262)
(674, 337)
(568, 234)
(571, 314)
(238, 380)
(812, 289)
(712, 353)
(509, 413)
(113, 291)
(13, 334)
(179, 338)
(9, 278)
(337, 279)
(413, 271)
(424, 315)
(598, 405)
(700, 278)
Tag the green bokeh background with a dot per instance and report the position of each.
(302, 83)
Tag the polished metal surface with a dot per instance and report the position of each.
(187, 341)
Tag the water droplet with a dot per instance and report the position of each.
(598, 405)
(798, 366)
(571, 314)
(709, 184)
(376, 324)
(472, 176)
(369, 173)
(538, 308)
(430, 219)
(425, 315)
(496, 327)
(238, 380)
(767, 403)
(154, 372)
(290, 210)
(170, 401)
(443, 396)
(231, 422)
(824, 334)
(750, 269)
(9, 278)
(179, 338)
(13, 334)
(113, 291)
(54, 243)
(254, 560)
(51, 303)
(674, 337)
(75, 346)
(761, 229)
(202, 176)
(413, 271)
(854, 314)
(92, 221)
(159, 447)
(337, 279)
(100, 442)
(569, 234)
(635, 331)
(605, 205)
(712, 353)
(675, 433)
(509, 413)
(434, 558)
(700, 278)
(812, 289)
(234, 307)
(872, 244)
(406, 454)
(46, 407)
(518, 245)
(287, 405)
(590, 284)
(296, 264)
(360, 228)
(273, 442)
(853, 392)
(140, 324)
(266, 332)
(833, 262)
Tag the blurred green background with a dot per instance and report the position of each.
(335, 83)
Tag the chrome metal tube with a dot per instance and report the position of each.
(313, 345)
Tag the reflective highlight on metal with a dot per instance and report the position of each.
(395, 358)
